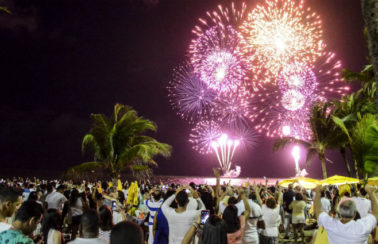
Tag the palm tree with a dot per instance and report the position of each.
(347, 110)
(321, 125)
(369, 13)
(363, 141)
(119, 142)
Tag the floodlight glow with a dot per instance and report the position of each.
(286, 130)
(225, 148)
(295, 152)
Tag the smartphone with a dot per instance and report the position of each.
(205, 214)
(187, 191)
(293, 198)
(114, 205)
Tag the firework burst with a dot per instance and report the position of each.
(281, 32)
(203, 134)
(299, 77)
(234, 110)
(284, 110)
(215, 52)
(190, 96)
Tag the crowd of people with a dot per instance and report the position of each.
(57, 212)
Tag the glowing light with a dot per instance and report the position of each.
(281, 32)
(286, 130)
(293, 100)
(225, 149)
(296, 155)
(190, 96)
(203, 135)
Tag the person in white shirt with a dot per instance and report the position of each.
(10, 199)
(89, 231)
(363, 205)
(325, 202)
(233, 200)
(153, 206)
(180, 220)
(251, 235)
(56, 199)
(271, 215)
(346, 230)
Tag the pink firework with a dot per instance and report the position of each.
(203, 134)
(299, 77)
(234, 109)
(190, 96)
(280, 32)
(284, 110)
(330, 84)
(215, 52)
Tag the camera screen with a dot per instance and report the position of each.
(205, 214)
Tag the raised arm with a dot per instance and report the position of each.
(372, 191)
(280, 197)
(317, 202)
(154, 226)
(257, 192)
(266, 185)
(246, 204)
(217, 188)
(166, 205)
(201, 206)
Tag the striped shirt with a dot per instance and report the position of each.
(152, 208)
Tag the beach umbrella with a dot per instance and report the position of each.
(305, 182)
(373, 181)
(339, 180)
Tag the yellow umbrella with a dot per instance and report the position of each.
(373, 181)
(339, 180)
(307, 183)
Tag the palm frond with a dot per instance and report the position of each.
(283, 142)
(120, 110)
(311, 152)
(86, 167)
(340, 123)
(5, 9)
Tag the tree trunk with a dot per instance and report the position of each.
(370, 15)
(322, 161)
(356, 168)
(343, 153)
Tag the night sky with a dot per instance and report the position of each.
(62, 60)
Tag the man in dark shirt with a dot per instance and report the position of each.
(288, 197)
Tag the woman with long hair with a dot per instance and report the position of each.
(234, 224)
(106, 223)
(51, 227)
(214, 231)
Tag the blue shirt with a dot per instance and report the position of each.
(14, 237)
